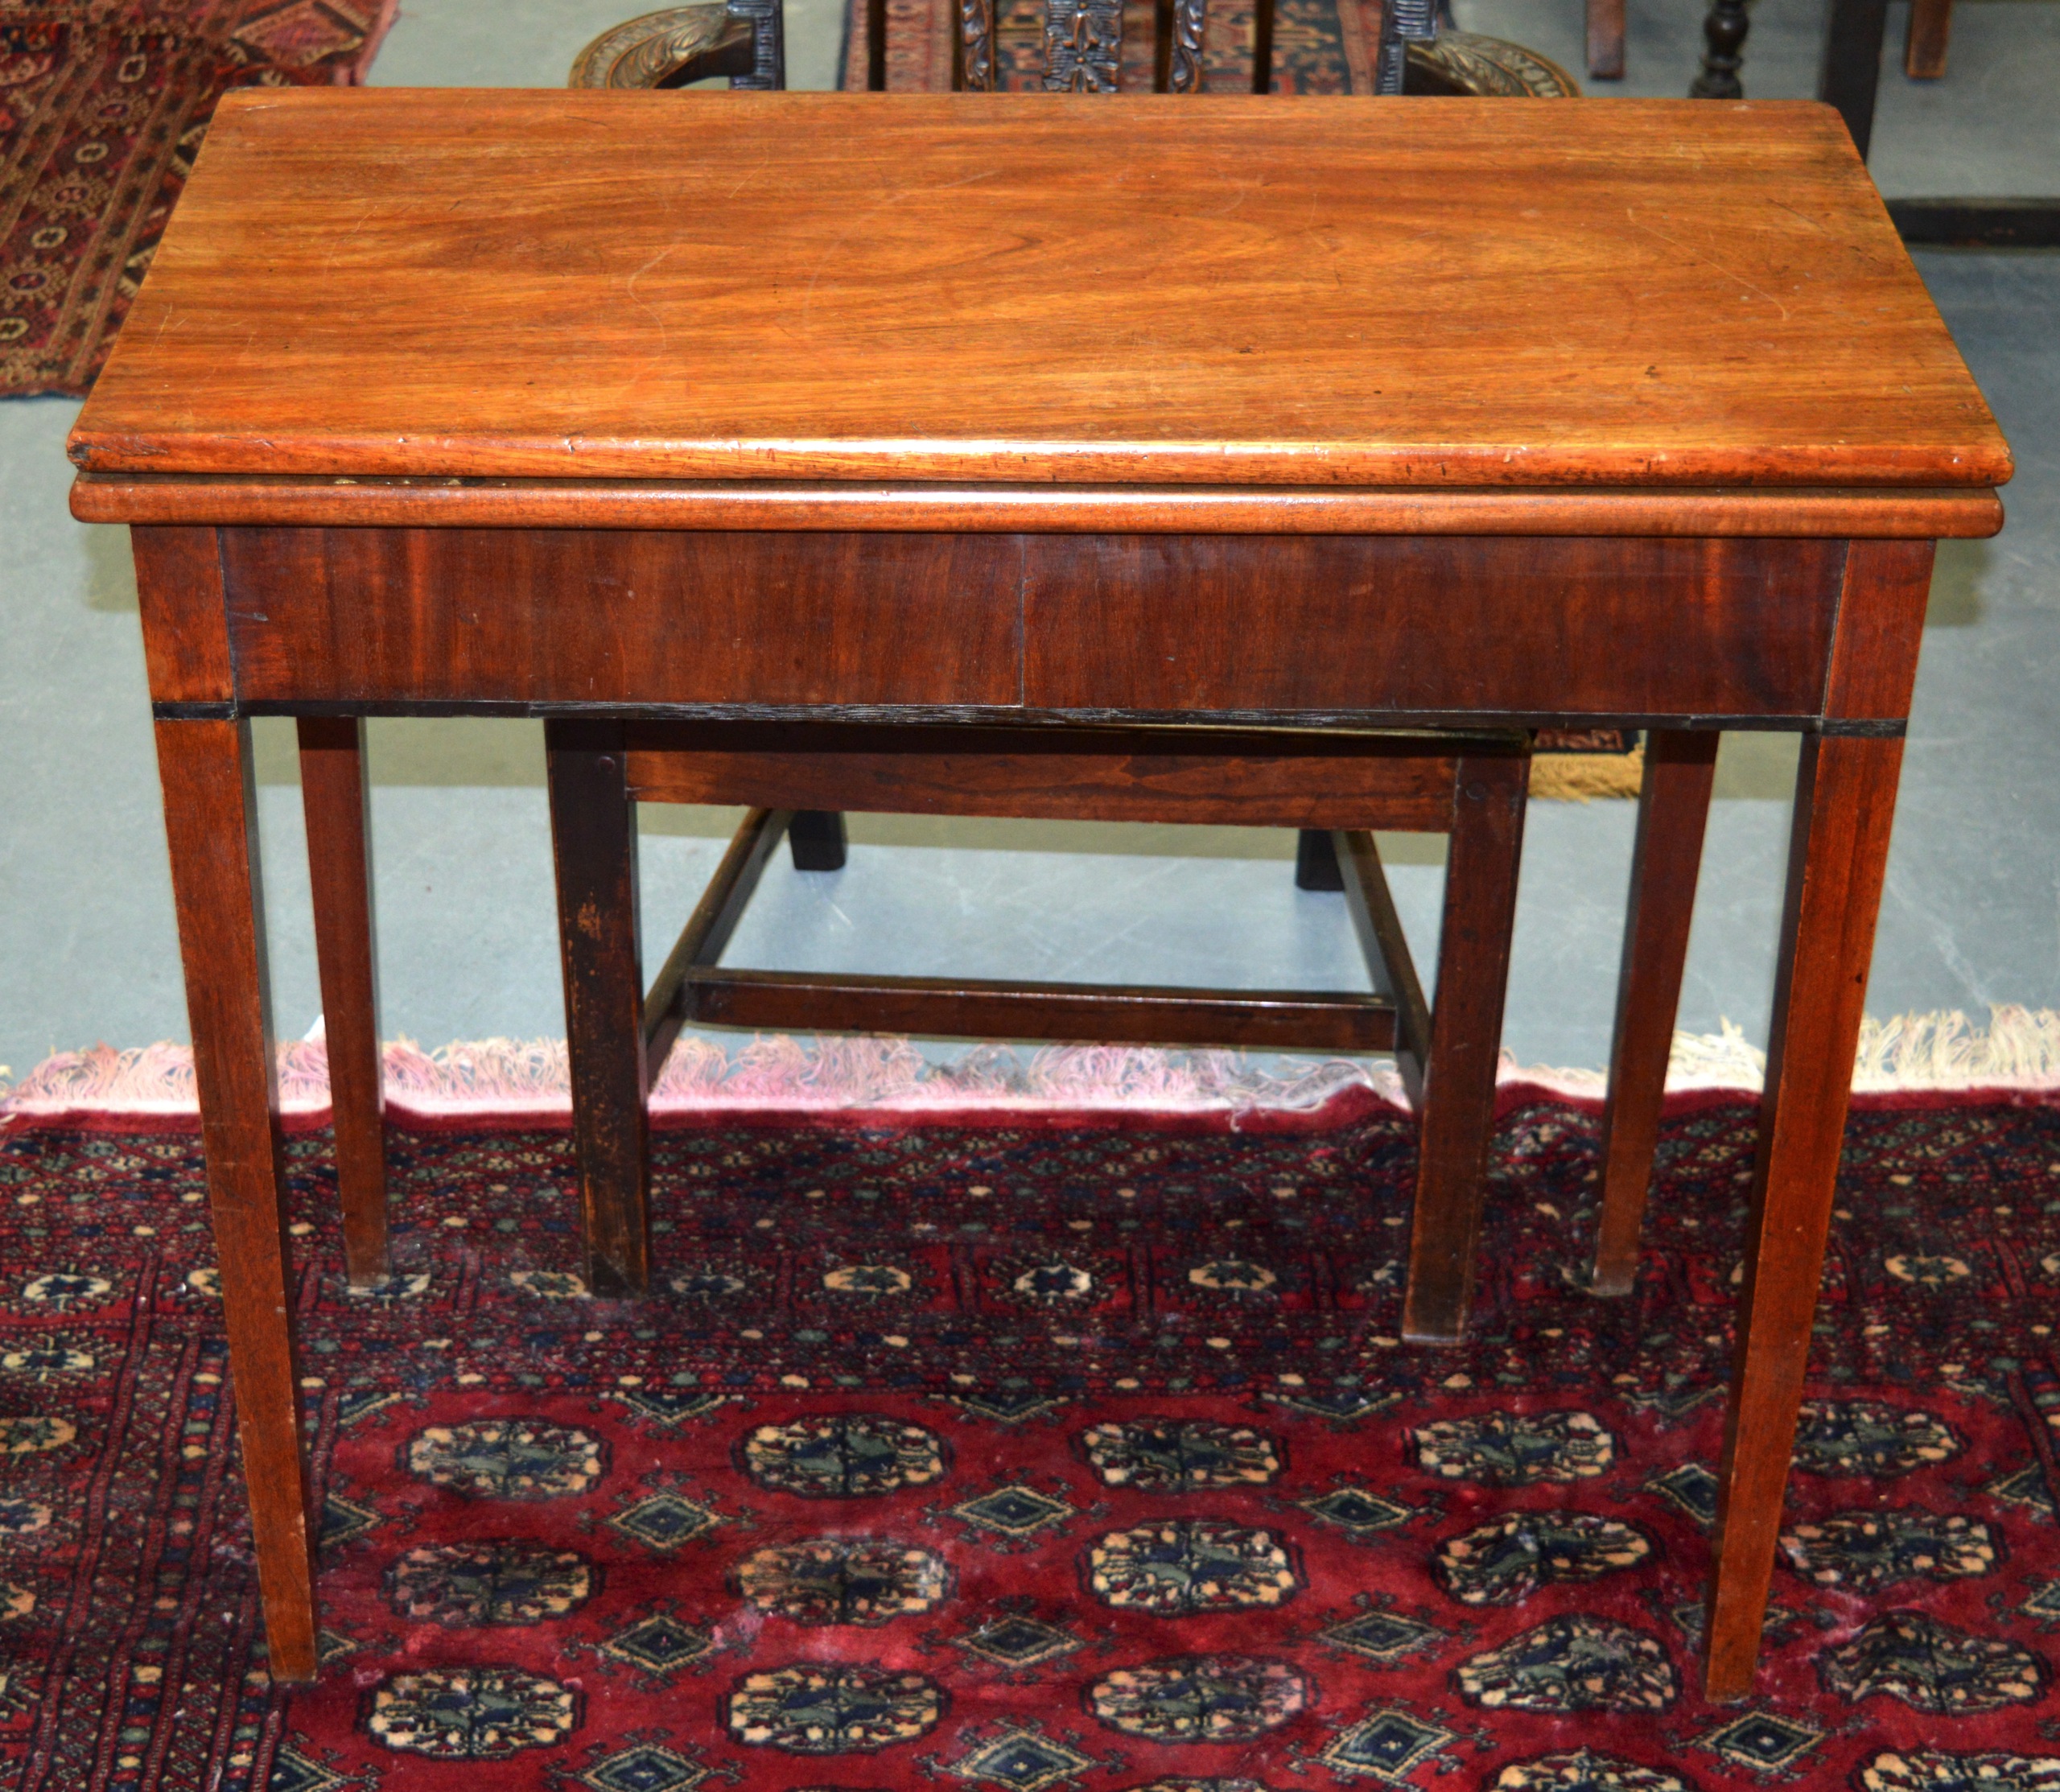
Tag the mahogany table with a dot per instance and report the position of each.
(938, 410)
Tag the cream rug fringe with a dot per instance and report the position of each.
(2019, 1049)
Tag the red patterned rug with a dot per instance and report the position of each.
(103, 104)
(1319, 46)
(1046, 1456)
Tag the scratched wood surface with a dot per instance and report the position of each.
(1221, 290)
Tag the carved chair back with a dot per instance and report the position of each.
(1083, 45)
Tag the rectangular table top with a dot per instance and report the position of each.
(1208, 290)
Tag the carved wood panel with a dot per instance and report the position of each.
(1083, 43)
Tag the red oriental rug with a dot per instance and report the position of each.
(1043, 1456)
(103, 104)
(1319, 46)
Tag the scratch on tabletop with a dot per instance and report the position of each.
(629, 292)
(1805, 216)
(1630, 212)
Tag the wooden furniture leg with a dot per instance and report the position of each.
(1725, 27)
(1851, 74)
(817, 840)
(1680, 766)
(332, 792)
(210, 823)
(1316, 866)
(1844, 802)
(1924, 48)
(1466, 1042)
(594, 842)
(1605, 40)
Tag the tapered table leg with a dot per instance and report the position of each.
(209, 806)
(1680, 767)
(594, 842)
(332, 792)
(1845, 804)
(1466, 1044)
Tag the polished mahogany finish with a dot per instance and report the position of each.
(1836, 513)
(903, 412)
(595, 828)
(1680, 769)
(1209, 777)
(210, 815)
(333, 794)
(1225, 290)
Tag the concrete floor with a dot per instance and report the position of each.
(1972, 912)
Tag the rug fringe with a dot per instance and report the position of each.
(2018, 1050)
(1581, 777)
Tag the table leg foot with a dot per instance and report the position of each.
(1845, 804)
(1680, 767)
(210, 804)
(1466, 1044)
(332, 790)
(594, 841)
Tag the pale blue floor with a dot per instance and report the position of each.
(1972, 913)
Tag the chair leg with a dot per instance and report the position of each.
(1466, 1042)
(1924, 48)
(209, 810)
(1845, 799)
(594, 842)
(333, 796)
(1316, 861)
(816, 839)
(1384, 947)
(1673, 810)
(1605, 40)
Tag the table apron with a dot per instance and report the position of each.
(1369, 627)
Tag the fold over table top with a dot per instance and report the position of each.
(1418, 295)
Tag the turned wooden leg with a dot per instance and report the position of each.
(593, 825)
(1844, 803)
(1724, 28)
(1673, 810)
(1605, 40)
(211, 825)
(1466, 1043)
(1924, 48)
(332, 794)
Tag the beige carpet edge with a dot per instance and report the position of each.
(2019, 1049)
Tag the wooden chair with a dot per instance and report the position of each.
(797, 783)
(744, 39)
(1083, 45)
(1336, 786)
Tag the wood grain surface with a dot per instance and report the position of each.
(1204, 776)
(1218, 290)
(402, 503)
(210, 815)
(1391, 629)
